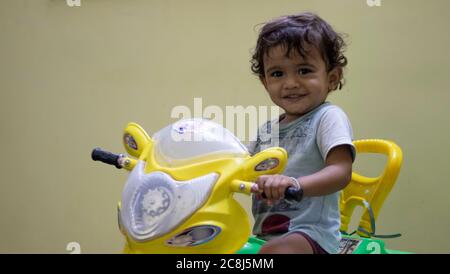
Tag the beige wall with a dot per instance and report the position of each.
(71, 78)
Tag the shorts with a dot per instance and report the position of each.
(317, 249)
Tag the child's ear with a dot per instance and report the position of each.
(334, 77)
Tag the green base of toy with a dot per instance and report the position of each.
(361, 245)
(348, 245)
(252, 246)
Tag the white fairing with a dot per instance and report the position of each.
(191, 139)
(153, 204)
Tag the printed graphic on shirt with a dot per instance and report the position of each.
(275, 224)
(293, 141)
(296, 142)
(264, 138)
(302, 130)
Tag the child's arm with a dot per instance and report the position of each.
(333, 177)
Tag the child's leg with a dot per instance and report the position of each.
(294, 243)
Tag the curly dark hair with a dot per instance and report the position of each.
(295, 32)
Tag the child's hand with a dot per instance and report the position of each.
(273, 186)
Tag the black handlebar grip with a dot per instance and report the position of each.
(291, 194)
(106, 157)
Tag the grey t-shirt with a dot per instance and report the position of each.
(307, 140)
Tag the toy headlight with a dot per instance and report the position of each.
(153, 204)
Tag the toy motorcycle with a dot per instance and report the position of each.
(179, 195)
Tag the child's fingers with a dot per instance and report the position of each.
(260, 181)
(278, 192)
(283, 185)
(273, 186)
(270, 188)
(254, 188)
(265, 186)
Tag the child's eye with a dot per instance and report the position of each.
(276, 73)
(304, 71)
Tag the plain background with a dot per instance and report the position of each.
(72, 77)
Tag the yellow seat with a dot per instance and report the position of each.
(370, 193)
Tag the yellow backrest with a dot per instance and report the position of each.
(363, 191)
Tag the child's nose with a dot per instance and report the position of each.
(291, 82)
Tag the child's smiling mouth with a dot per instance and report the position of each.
(293, 97)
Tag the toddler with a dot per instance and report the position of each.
(299, 60)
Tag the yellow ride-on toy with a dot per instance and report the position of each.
(179, 195)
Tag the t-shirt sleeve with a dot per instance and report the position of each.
(334, 130)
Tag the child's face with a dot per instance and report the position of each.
(295, 84)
